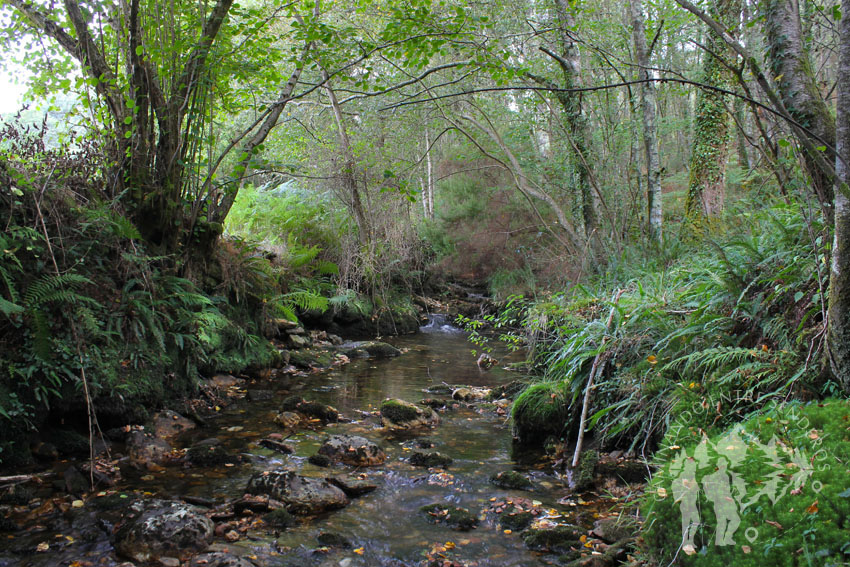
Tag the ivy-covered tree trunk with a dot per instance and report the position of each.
(793, 72)
(707, 180)
(570, 63)
(650, 130)
(838, 331)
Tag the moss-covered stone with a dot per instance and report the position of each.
(556, 539)
(279, 519)
(509, 390)
(312, 409)
(319, 460)
(516, 521)
(542, 410)
(432, 459)
(398, 414)
(459, 519)
(208, 455)
(511, 480)
(332, 539)
(585, 473)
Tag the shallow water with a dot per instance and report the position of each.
(384, 527)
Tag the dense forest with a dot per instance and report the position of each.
(629, 223)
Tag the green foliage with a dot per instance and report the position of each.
(728, 327)
(787, 481)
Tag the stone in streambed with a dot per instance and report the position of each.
(352, 450)
(398, 414)
(147, 452)
(353, 485)
(433, 459)
(459, 519)
(516, 521)
(160, 528)
(316, 410)
(168, 424)
(278, 446)
(511, 480)
(331, 539)
(319, 460)
(374, 349)
(300, 495)
(558, 538)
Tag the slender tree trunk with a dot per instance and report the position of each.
(650, 130)
(838, 331)
(347, 173)
(795, 77)
(429, 170)
(570, 63)
(710, 151)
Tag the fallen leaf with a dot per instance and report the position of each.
(776, 525)
(746, 548)
(42, 547)
(813, 509)
(689, 549)
(359, 551)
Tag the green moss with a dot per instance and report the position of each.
(511, 480)
(789, 489)
(558, 539)
(542, 409)
(279, 519)
(585, 472)
(398, 411)
(434, 459)
(516, 521)
(459, 519)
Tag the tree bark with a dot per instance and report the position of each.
(707, 169)
(793, 72)
(650, 130)
(347, 172)
(838, 330)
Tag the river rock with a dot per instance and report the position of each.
(470, 394)
(168, 424)
(289, 420)
(432, 459)
(224, 381)
(300, 495)
(353, 450)
(208, 453)
(161, 528)
(398, 414)
(278, 446)
(146, 451)
(353, 485)
(511, 480)
(459, 519)
(220, 559)
(374, 349)
(615, 528)
(556, 539)
(316, 410)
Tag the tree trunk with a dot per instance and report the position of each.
(707, 180)
(838, 331)
(347, 172)
(650, 130)
(570, 63)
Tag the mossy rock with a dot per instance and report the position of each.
(279, 519)
(542, 410)
(433, 459)
(319, 460)
(459, 519)
(311, 358)
(332, 539)
(208, 455)
(585, 474)
(69, 442)
(511, 480)
(316, 410)
(556, 539)
(398, 414)
(516, 521)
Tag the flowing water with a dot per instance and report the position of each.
(385, 527)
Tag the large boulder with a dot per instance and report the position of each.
(300, 495)
(168, 424)
(147, 452)
(398, 414)
(352, 450)
(161, 528)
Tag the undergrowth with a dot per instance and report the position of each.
(728, 324)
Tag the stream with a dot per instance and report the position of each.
(384, 527)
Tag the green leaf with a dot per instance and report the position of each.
(798, 296)
(783, 142)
